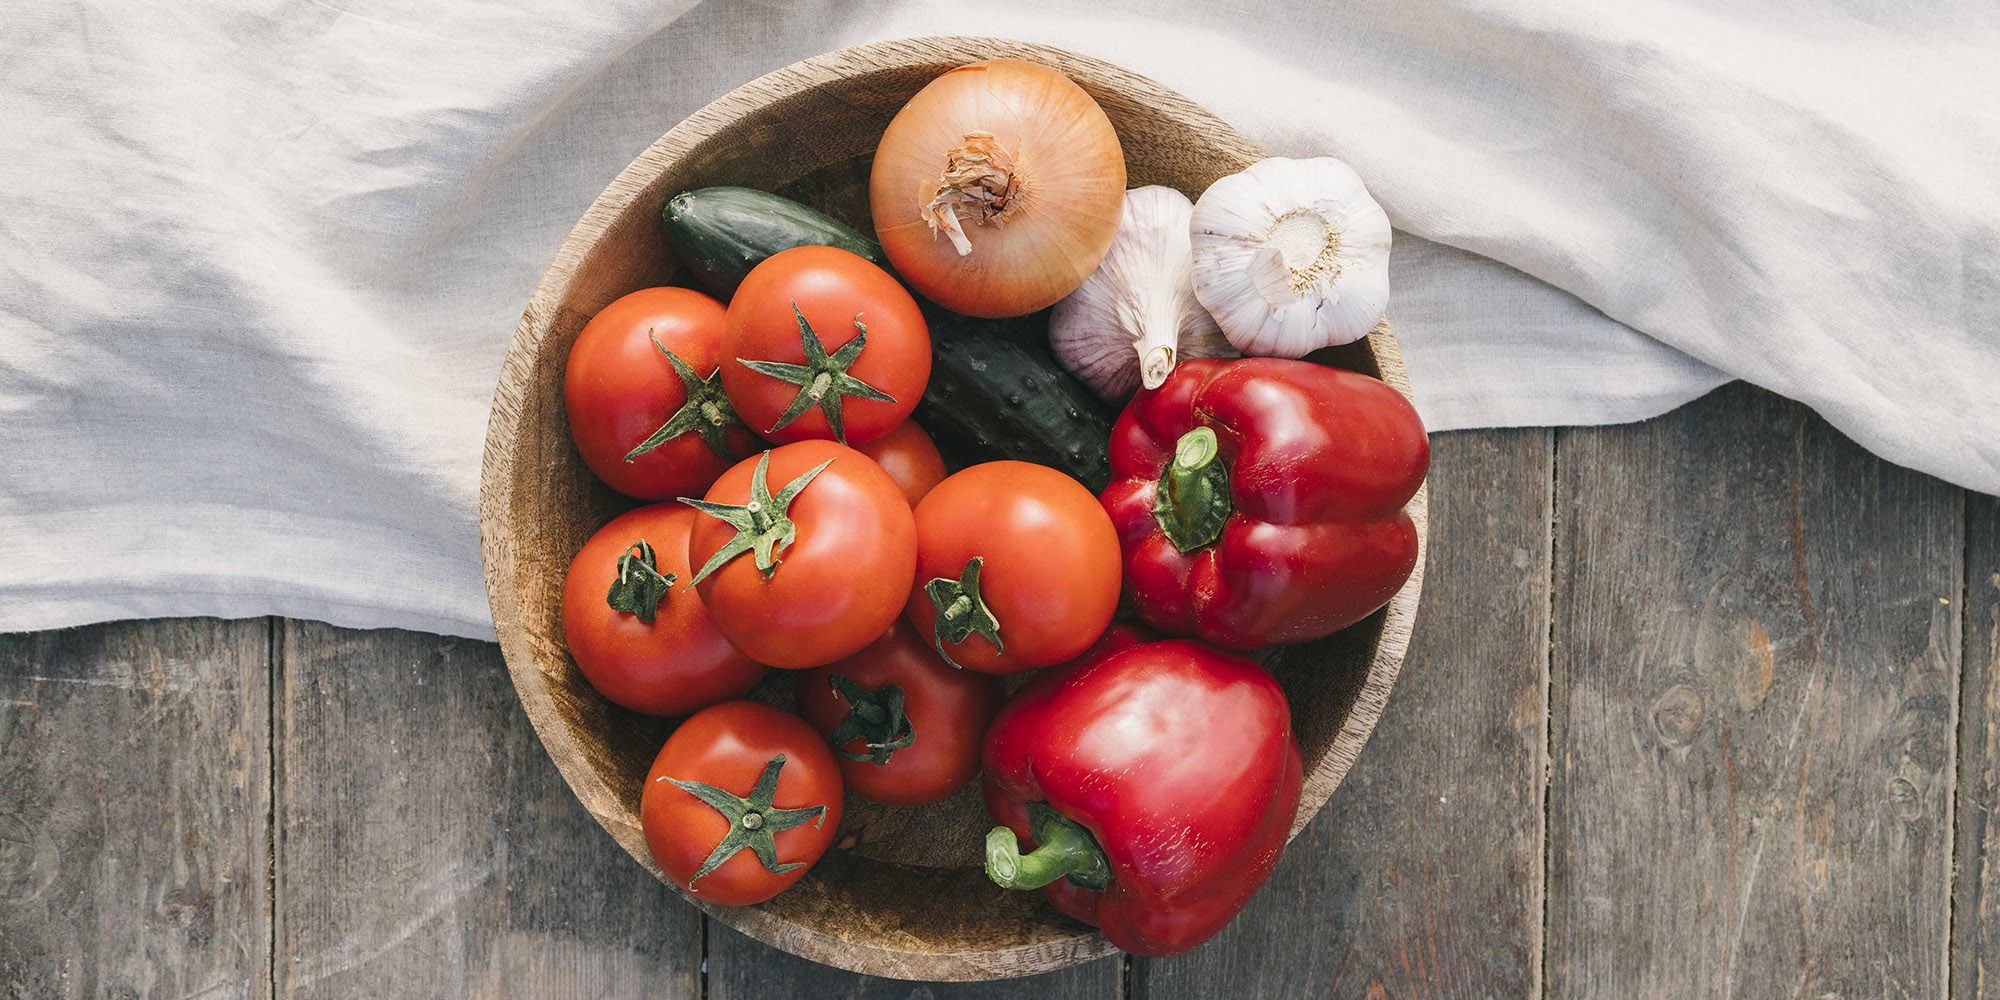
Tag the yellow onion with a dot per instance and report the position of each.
(998, 188)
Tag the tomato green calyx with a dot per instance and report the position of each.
(961, 610)
(823, 381)
(874, 717)
(752, 821)
(761, 525)
(640, 586)
(1193, 501)
(1065, 850)
(707, 411)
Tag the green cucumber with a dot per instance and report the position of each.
(996, 392)
(720, 233)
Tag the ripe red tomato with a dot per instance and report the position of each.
(738, 782)
(1017, 568)
(906, 726)
(640, 636)
(910, 458)
(819, 567)
(622, 390)
(807, 369)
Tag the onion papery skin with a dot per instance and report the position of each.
(1063, 206)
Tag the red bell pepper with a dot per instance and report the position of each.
(1260, 501)
(1156, 781)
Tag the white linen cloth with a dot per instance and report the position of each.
(260, 259)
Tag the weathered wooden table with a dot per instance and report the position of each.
(1702, 707)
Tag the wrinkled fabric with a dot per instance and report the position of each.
(259, 261)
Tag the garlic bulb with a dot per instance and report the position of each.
(1291, 256)
(1136, 315)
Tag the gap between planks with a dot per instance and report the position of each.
(274, 658)
(1552, 448)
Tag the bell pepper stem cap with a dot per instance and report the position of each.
(1065, 850)
(1193, 503)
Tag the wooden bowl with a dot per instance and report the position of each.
(902, 893)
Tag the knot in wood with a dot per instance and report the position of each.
(1677, 715)
(1904, 800)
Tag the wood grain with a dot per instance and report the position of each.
(1423, 876)
(428, 849)
(134, 811)
(874, 910)
(1975, 945)
(741, 968)
(1754, 706)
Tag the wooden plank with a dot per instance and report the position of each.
(1753, 714)
(740, 968)
(1422, 877)
(134, 810)
(1975, 963)
(428, 848)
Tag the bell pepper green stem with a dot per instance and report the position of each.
(1193, 503)
(1064, 850)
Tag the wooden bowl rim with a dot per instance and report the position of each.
(497, 537)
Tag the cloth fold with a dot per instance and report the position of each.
(260, 259)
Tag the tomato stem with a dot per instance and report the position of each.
(706, 411)
(762, 525)
(753, 820)
(823, 380)
(876, 718)
(961, 611)
(639, 586)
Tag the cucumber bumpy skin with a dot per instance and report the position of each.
(996, 392)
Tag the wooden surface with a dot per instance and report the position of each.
(1759, 666)
(1755, 698)
(135, 797)
(809, 130)
(1975, 939)
(424, 844)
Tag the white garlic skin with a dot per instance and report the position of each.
(1323, 281)
(1136, 316)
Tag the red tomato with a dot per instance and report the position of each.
(819, 569)
(621, 390)
(1022, 561)
(906, 726)
(910, 458)
(734, 779)
(641, 643)
(807, 370)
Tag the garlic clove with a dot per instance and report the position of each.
(1290, 256)
(1137, 316)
